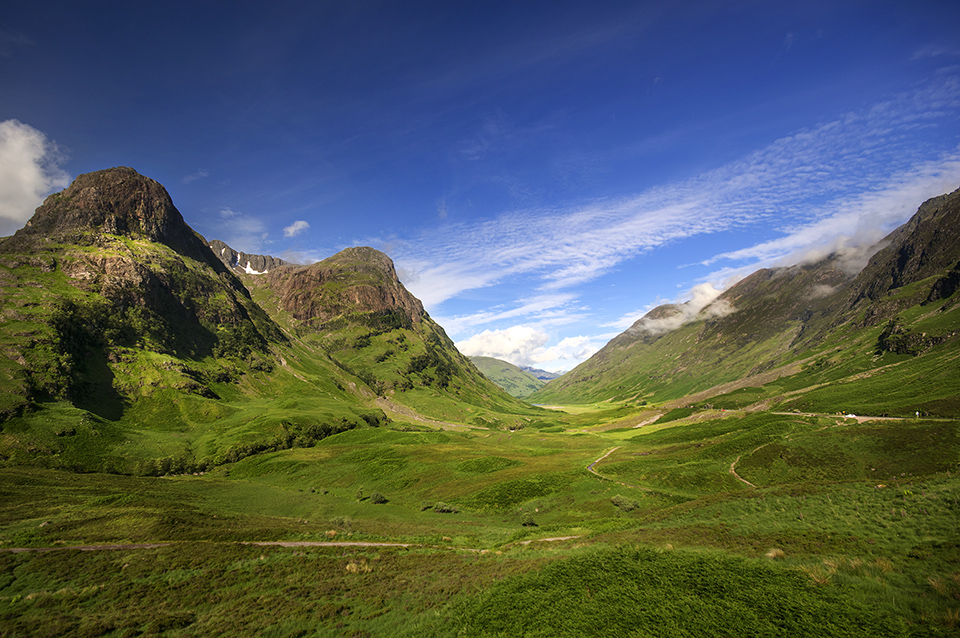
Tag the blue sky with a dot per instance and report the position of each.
(542, 173)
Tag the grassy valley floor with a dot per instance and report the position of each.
(706, 523)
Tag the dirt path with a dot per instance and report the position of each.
(737, 476)
(389, 406)
(327, 544)
(84, 548)
(606, 454)
(590, 468)
(131, 546)
(840, 421)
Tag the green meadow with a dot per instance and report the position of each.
(599, 522)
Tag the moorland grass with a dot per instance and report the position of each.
(648, 592)
(867, 547)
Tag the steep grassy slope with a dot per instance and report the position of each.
(516, 381)
(801, 327)
(352, 308)
(130, 347)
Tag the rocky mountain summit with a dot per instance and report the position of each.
(116, 201)
(355, 280)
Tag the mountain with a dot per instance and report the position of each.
(353, 309)
(516, 381)
(822, 335)
(543, 375)
(132, 346)
(105, 268)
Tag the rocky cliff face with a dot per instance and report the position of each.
(355, 280)
(244, 263)
(920, 248)
(110, 265)
(115, 201)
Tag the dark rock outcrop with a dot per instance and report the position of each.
(115, 201)
(244, 262)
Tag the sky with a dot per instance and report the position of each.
(541, 173)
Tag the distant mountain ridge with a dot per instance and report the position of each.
(243, 262)
(543, 375)
(515, 380)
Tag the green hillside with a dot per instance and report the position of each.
(815, 336)
(190, 449)
(517, 382)
(131, 348)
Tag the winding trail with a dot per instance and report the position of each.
(84, 548)
(605, 455)
(840, 422)
(737, 476)
(590, 468)
(133, 546)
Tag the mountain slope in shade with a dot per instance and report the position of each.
(107, 266)
(817, 320)
(515, 380)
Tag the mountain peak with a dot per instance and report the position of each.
(116, 201)
(357, 279)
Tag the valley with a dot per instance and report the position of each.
(196, 441)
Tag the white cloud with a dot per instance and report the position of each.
(861, 170)
(698, 303)
(569, 353)
(29, 171)
(524, 345)
(241, 232)
(516, 344)
(295, 228)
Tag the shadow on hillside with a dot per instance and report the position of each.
(94, 391)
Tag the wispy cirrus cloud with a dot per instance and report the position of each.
(856, 171)
(551, 309)
(242, 232)
(11, 41)
(192, 177)
(843, 225)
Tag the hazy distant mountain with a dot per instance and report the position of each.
(516, 381)
(543, 375)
